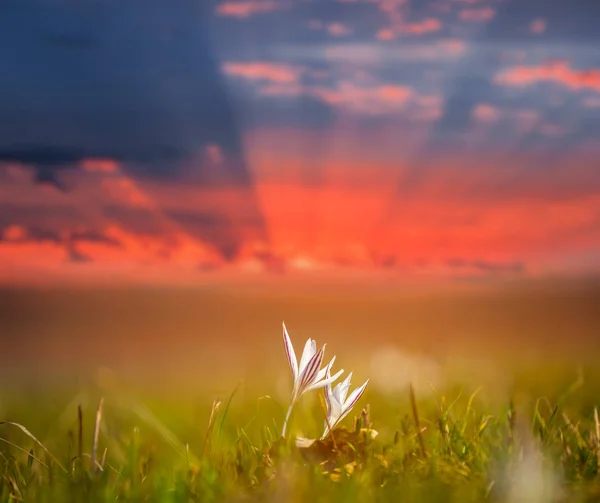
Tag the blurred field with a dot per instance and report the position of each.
(235, 332)
(506, 384)
(537, 441)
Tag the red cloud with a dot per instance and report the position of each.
(428, 25)
(498, 213)
(100, 165)
(364, 97)
(521, 121)
(491, 216)
(559, 72)
(485, 113)
(139, 259)
(338, 30)
(537, 26)
(246, 9)
(259, 70)
(14, 233)
(454, 47)
(477, 15)
(385, 34)
(371, 100)
(357, 54)
(123, 189)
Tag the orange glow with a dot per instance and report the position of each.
(258, 70)
(366, 99)
(289, 139)
(14, 233)
(428, 25)
(551, 71)
(346, 209)
(246, 9)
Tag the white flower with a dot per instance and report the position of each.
(338, 406)
(307, 374)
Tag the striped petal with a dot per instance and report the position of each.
(291, 354)
(325, 382)
(355, 395)
(307, 376)
(310, 349)
(323, 372)
(352, 399)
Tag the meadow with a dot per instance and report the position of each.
(199, 417)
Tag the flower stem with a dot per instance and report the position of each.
(287, 417)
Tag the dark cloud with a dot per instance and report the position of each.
(56, 217)
(139, 221)
(150, 91)
(213, 227)
(134, 81)
(46, 161)
(210, 227)
(68, 240)
(47, 176)
(39, 234)
(61, 225)
(93, 236)
(47, 156)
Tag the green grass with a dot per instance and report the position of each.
(539, 443)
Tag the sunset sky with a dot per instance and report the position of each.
(191, 142)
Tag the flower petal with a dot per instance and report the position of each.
(327, 390)
(352, 399)
(291, 354)
(307, 354)
(323, 372)
(333, 417)
(307, 376)
(341, 390)
(325, 382)
(355, 395)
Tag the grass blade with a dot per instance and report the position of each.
(33, 437)
(96, 436)
(29, 453)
